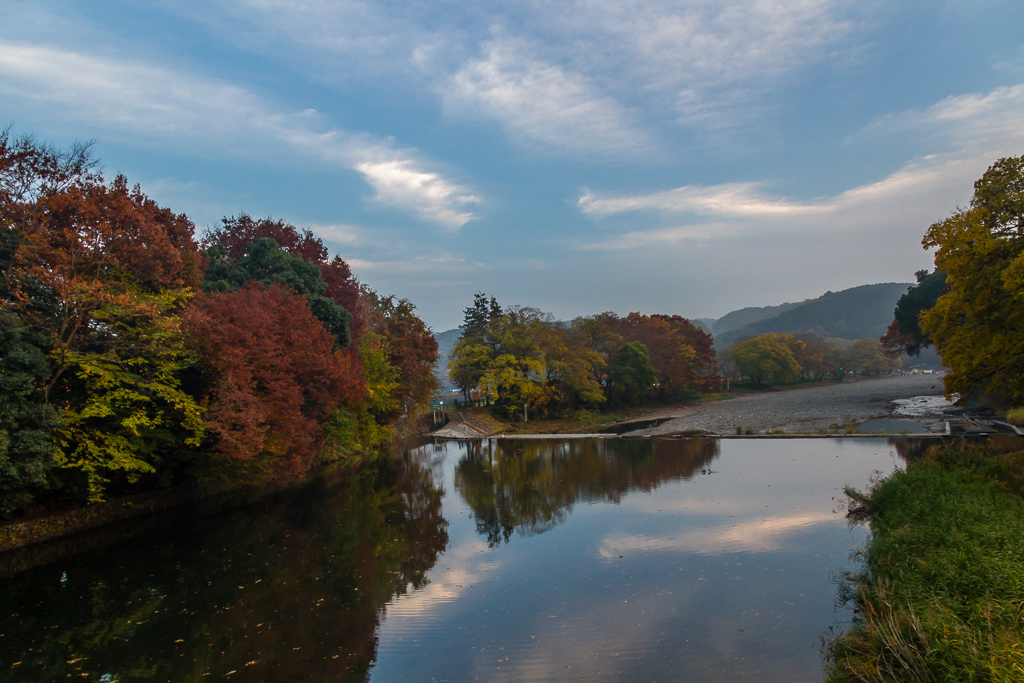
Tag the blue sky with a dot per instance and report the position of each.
(676, 157)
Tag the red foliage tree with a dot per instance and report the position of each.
(274, 376)
(238, 233)
(682, 354)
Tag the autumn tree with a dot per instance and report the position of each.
(765, 359)
(515, 376)
(102, 272)
(867, 357)
(977, 324)
(411, 348)
(571, 367)
(265, 262)
(469, 358)
(275, 378)
(904, 334)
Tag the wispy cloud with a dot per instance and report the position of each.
(968, 132)
(542, 102)
(971, 122)
(751, 535)
(709, 61)
(728, 199)
(157, 104)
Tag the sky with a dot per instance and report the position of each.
(680, 157)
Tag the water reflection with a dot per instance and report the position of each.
(292, 590)
(530, 486)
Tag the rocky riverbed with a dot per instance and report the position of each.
(829, 407)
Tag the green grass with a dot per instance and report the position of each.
(941, 594)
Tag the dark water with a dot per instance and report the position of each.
(535, 560)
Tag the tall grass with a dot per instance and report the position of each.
(941, 593)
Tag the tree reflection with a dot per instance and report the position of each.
(530, 486)
(292, 591)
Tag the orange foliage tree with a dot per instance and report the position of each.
(274, 377)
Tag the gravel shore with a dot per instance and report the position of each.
(806, 409)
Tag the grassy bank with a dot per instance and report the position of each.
(941, 594)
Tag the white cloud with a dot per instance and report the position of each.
(753, 535)
(140, 101)
(541, 102)
(442, 263)
(428, 195)
(728, 199)
(709, 60)
(992, 121)
(969, 131)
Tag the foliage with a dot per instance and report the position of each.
(275, 378)
(867, 357)
(265, 262)
(26, 444)
(470, 356)
(125, 407)
(904, 334)
(411, 349)
(114, 374)
(630, 372)
(977, 325)
(765, 359)
(681, 353)
(939, 597)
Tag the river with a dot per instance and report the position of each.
(597, 560)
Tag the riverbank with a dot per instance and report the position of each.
(940, 593)
(828, 407)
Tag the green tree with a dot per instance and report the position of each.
(630, 372)
(904, 334)
(977, 325)
(765, 359)
(26, 421)
(866, 356)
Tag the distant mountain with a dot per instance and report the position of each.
(703, 324)
(445, 342)
(746, 316)
(854, 313)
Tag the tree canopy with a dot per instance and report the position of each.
(977, 324)
(131, 357)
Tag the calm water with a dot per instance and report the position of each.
(535, 560)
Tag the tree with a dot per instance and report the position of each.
(977, 325)
(274, 379)
(867, 357)
(904, 334)
(765, 359)
(26, 444)
(411, 348)
(470, 357)
(265, 262)
(515, 376)
(630, 373)
(102, 272)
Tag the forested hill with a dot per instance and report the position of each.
(746, 316)
(854, 313)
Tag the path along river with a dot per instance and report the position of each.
(597, 560)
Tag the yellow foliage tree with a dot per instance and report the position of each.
(978, 324)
